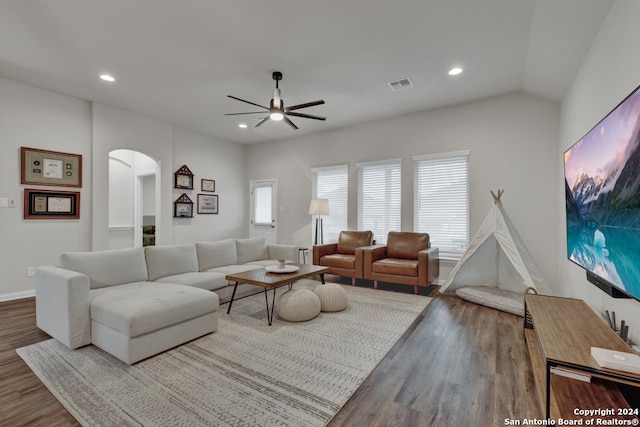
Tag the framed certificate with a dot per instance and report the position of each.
(208, 185)
(45, 204)
(43, 167)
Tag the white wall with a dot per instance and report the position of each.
(513, 143)
(608, 74)
(225, 164)
(37, 118)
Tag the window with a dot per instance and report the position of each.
(379, 197)
(263, 213)
(441, 201)
(332, 183)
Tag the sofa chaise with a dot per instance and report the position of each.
(137, 302)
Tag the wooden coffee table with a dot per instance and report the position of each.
(268, 280)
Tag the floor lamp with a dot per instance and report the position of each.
(319, 207)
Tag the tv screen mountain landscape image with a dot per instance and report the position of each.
(602, 190)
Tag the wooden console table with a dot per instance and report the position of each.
(560, 333)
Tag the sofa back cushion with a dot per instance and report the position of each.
(169, 260)
(107, 268)
(406, 245)
(216, 254)
(253, 249)
(348, 241)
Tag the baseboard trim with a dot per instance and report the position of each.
(17, 295)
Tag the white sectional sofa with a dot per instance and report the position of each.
(137, 302)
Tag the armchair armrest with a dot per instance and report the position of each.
(321, 250)
(372, 254)
(63, 306)
(428, 265)
(279, 251)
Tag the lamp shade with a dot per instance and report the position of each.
(319, 207)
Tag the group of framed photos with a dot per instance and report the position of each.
(44, 167)
(206, 203)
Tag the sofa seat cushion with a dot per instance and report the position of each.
(139, 308)
(396, 267)
(204, 280)
(339, 261)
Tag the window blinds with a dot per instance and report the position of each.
(379, 197)
(441, 201)
(332, 183)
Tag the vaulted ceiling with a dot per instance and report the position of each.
(178, 60)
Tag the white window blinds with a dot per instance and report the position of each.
(441, 201)
(263, 213)
(379, 197)
(332, 183)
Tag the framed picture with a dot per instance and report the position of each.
(42, 167)
(183, 207)
(207, 204)
(46, 204)
(208, 185)
(183, 178)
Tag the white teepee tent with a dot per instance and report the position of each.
(496, 258)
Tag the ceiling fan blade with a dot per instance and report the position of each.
(248, 102)
(262, 121)
(238, 114)
(289, 122)
(306, 116)
(305, 105)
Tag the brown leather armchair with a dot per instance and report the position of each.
(345, 257)
(407, 259)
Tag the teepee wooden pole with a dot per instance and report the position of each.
(496, 199)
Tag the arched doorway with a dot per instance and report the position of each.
(133, 199)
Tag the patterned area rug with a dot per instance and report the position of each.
(245, 374)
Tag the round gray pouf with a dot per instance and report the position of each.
(332, 297)
(298, 305)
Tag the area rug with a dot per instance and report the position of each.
(246, 374)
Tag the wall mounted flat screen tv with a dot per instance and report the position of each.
(602, 194)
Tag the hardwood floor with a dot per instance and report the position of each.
(460, 364)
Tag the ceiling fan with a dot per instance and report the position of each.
(277, 111)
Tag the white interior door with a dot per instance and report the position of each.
(264, 221)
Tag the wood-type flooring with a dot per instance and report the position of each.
(460, 364)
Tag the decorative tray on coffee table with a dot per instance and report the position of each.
(285, 269)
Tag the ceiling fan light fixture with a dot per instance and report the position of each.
(275, 112)
(276, 115)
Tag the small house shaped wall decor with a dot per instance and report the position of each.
(183, 178)
(183, 207)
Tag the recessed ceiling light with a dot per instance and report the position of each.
(455, 71)
(242, 125)
(107, 77)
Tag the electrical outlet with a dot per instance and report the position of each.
(4, 202)
(31, 271)
(12, 203)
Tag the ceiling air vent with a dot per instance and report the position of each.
(401, 84)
